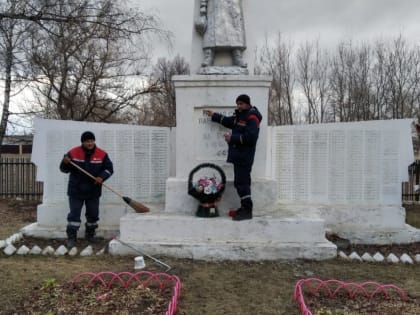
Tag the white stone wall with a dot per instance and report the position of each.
(348, 174)
(140, 154)
(357, 163)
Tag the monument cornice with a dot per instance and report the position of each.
(222, 80)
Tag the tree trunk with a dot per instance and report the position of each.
(7, 89)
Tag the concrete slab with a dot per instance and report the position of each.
(262, 238)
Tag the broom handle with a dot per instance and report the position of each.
(93, 177)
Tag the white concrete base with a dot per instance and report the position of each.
(359, 224)
(55, 214)
(55, 225)
(230, 251)
(280, 231)
(369, 224)
(186, 236)
(52, 220)
(354, 218)
(59, 232)
(406, 235)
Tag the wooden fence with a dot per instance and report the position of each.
(18, 179)
(411, 189)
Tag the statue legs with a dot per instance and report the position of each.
(237, 59)
(208, 57)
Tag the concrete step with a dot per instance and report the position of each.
(219, 238)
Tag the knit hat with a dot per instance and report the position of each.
(243, 98)
(87, 135)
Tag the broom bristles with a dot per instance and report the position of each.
(137, 206)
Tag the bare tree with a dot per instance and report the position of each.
(13, 33)
(80, 54)
(312, 69)
(45, 13)
(350, 83)
(80, 66)
(278, 63)
(353, 83)
(361, 84)
(402, 73)
(379, 81)
(161, 110)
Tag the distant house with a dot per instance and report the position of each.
(17, 146)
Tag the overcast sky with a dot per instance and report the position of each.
(329, 20)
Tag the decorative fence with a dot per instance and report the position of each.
(145, 279)
(18, 179)
(333, 288)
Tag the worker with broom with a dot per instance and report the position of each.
(83, 189)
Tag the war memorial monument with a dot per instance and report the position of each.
(308, 180)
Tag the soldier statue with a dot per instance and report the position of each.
(221, 24)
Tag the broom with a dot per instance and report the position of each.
(137, 206)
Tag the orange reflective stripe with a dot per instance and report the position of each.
(252, 116)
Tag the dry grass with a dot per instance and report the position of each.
(213, 288)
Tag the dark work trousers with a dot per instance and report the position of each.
(242, 183)
(92, 211)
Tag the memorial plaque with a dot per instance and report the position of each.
(159, 162)
(372, 175)
(357, 163)
(389, 167)
(301, 166)
(210, 144)
(151, 165)
(55, 185)
(355, 158)
(336, 167)
(142, 171)
(284, 166)
(118, 145)
(319, 165)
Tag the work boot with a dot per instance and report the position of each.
(90, 232)
(243, 214)
(245, 211)
(71, 232)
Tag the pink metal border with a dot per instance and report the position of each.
(333, 287)
(143, 278)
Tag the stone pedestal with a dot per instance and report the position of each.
(198, 140)
(176, 231)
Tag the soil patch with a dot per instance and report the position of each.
(78, 298)
(360, 305)
(17, 214)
